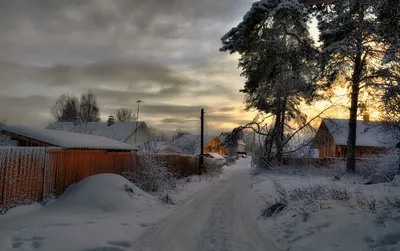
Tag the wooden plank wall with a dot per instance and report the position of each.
(71, 166)
(29, 174)
(21, 175)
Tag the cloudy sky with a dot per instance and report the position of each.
(164, 52)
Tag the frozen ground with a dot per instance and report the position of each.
(322, 214)
(220, 217)
(95, 214)
(225, 213)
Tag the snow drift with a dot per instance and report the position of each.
(106, 193)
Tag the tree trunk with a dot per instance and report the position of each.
(277, 130)
(280, 132)
(351, 140)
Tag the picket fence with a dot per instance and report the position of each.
(34, 174)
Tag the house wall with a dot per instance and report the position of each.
(324, 143)
(241, 148)
(215, 146)
(143, 135)
(361, 151)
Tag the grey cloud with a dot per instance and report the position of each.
(162, 109)
(225, 118)
(167, 31)
(172, 121)
(227, 109)
(119, 49)
(137, 74)
(33, 109)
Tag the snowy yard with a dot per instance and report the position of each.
(107, 212)
(95, 214)
(323, 214)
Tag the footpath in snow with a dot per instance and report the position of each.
(220, 217)
(232, 212)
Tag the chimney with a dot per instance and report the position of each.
(366, 117)
(111, 120)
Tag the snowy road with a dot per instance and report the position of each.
(217, 218)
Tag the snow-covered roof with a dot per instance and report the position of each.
(68, 140)
(119, 131)
(371, 134)
(214, 155)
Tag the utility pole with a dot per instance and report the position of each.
(137, 120)
(201, 164)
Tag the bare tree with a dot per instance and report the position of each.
(125, 115)
(66, 108)
(188, 144)
(88, 109)
(178, 134)
(150, 173)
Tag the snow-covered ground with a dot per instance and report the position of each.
(94, 214)
(323, 214)
(107, 212)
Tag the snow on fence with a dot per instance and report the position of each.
(30, 174)
(21, 175)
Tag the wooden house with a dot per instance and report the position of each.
(331, 138)
(241, 145)
(44, 163)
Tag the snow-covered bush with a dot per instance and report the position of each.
(149, 172)
(379, 168)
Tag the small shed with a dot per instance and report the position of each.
(331, 138)
(69, 157)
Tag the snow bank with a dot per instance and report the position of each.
(101, 212)
(364, 221)
(109, 193)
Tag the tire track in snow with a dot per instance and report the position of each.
(217, 218)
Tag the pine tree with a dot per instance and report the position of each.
(360, 42)
(279, 61)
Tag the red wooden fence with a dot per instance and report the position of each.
(29, 174)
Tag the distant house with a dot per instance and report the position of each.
(126, 132)
(331, 138)
(190, 144)
(241, 145)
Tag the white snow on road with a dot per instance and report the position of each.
(98, 214)
(220, 217)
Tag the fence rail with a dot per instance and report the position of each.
(29, 174)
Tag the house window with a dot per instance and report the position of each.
(209, 148)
